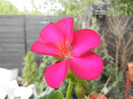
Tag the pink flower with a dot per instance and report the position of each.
(59, 40)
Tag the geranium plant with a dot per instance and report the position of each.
(72, 49)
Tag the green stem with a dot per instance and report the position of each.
(69, 89)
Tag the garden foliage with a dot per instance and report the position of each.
(110, 70)
(40, 83)
(30, 71)
(33, 74)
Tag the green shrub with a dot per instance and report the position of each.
(33, 74)
(30, 72)
(40, 83)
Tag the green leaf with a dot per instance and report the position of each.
(55, 95)
(76, 80)
(59, 58)
(50, 94)
(17, 98)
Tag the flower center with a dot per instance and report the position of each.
(68, 55)
(64, 49)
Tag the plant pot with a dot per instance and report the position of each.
(95, 96)
(129, 79)
(130, 97)
(130, 68)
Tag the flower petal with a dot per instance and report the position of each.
(88, 67)
(56, 73)
(84, 40)
(44, 48)
(60, 31)
(58, 34)
(66, 26)
(51, 34)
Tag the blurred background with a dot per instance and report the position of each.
(21, 22)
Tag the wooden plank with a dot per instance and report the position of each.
(11, 58)
(34, 30)
(9, 46)
(14, 52)
(12, 66)
(11, 19)
(11, 29)
(11, 40)
(11, 33)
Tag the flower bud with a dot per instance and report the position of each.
(80, 91)
(84, 84)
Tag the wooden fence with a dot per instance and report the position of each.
(17, 33)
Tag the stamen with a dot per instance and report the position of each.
(64, 49)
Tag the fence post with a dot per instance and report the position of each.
(25, 34)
